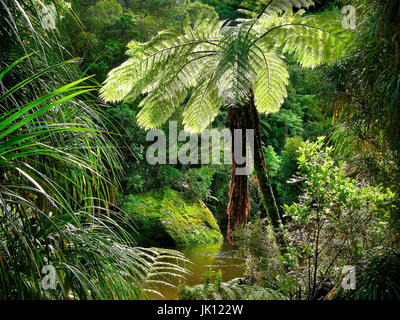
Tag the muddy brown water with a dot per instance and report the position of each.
(219, 256)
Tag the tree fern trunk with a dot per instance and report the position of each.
(239, 205)
(264, 186)
(244, 118)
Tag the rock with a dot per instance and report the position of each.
(168, 218)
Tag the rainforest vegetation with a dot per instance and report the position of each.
(84, 213)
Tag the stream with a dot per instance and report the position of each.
(217, 256)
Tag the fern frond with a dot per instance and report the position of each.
(160, 283)
(158, 267)
(218, 65)
(284, 5)
(151, 62)
(270, 84)
(235, 68)
(312, 40)
(202, 107)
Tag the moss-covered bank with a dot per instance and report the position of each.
(167, 218)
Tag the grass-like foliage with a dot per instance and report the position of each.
(59, 176)
(49, 216)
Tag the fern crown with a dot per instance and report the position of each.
(216, 63)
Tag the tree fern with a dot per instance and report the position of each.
(236, 65)
(312, 40)
(217, 64)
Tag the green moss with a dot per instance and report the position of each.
(166, 216)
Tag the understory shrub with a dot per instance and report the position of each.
(337, 221)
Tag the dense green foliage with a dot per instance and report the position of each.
(336, 221)
(231, 290)
(232, 60)
(60, 171)
(78, 194)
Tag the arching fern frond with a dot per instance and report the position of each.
(312, 40)
(170, 92)
(151, 62)
(276, 6)
(284, 5)
(236, 65)
(202, 107)
(218, 64)
(270, 83)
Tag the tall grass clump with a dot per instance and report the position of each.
(59, 175)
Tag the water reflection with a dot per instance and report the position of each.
(219, 256)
